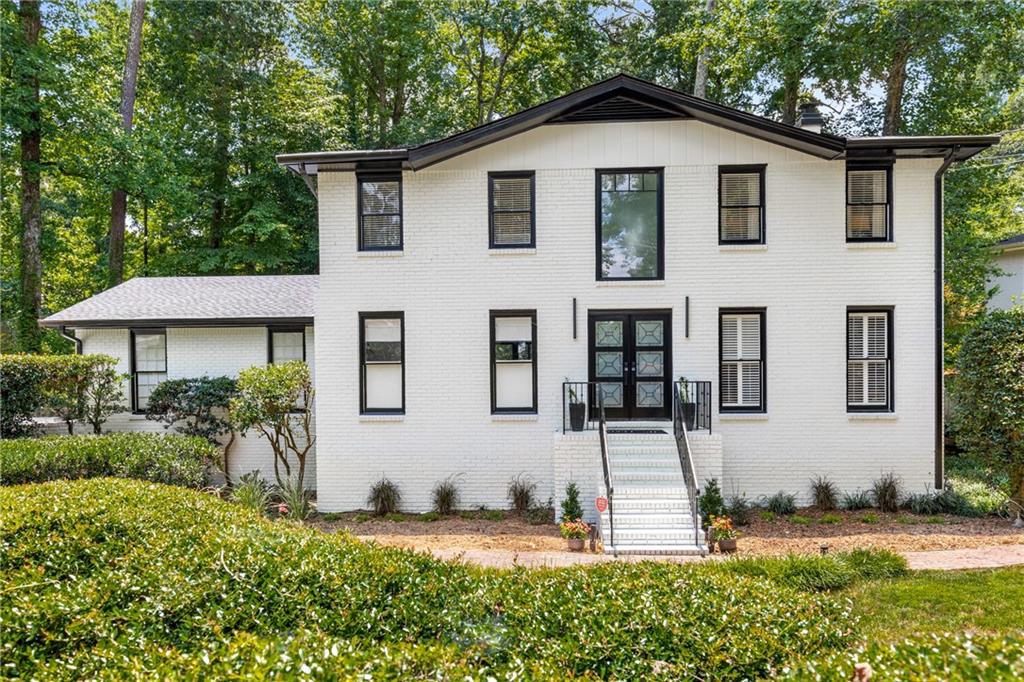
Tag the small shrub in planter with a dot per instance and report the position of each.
(521, 490)
(825, 493)
(781, 504)
(724, 533)
(856, 501)
(575, 532)
(571, 507)
(887, 492)
(252, 492)
(385, 497)
(445, 496)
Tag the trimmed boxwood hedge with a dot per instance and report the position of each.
(157, 457)
(127, 578)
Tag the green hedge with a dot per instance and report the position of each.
(139, 579)
(162, 458)
(818, 573)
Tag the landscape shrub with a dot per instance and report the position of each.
(385, 497)
(887, 492)
(154, 581)
(781, 503)
(571, 507)
(932, 658)
(711, 503)
(988, 414)
(818, 573)
(521, 490)
(980, 498)
(177, 460)
(252, 493)
(445, 495)
(825, 493)
(21, 395)
(855, 501)
(739, 510)
(294, 501)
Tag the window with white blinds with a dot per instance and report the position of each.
(380, 213)
(382, 360)
(869, 360)
(741, 204)
(868, 203)
(741, 361)
(513, 361)
(287, 345)
(149, 365)
(512, 210)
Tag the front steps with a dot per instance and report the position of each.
(652, 513)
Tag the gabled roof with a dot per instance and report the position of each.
(625, 98)
(1014, 243)
(234, 300)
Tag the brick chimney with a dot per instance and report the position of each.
(810, 118)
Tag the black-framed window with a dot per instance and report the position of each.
(513, 361)
(512, 210)
(741, 344)
(869, 359)
(286, 344)
(630, 224)
(868, 202)
(741, 204)
(382, 363)
(148, 364)
(380, 212)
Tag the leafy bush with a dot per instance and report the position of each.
(385, 497)
(739, 510)
(571, 507)
(136, 573)
(932, 658)
(980, 498)
(825, 493)
(781, 503)
(869, 518)
(800, 520)
(711, 503)
(887, 492)
(445, 496)
(856, 501)
(21, 394)
(989, 390)
(818, 573)
(178, 460)
(831, 519)
(252, 493)
(521, 490)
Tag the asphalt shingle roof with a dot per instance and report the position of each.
(200, 299)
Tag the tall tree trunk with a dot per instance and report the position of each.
(119, 200)
(221, 163)
(700, 79)
(790, 97)
(30, 296)
(895, 83)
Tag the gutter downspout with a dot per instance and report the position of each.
(940, 349)
(65, 334)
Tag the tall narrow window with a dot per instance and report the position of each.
(513, 361)
(286, 345)
(741, 204)
(741, 360)
(630, 229)
(868, 203)
(512, 210)
(149, 365)
(380, 212)
(382, 356)
(869, 360)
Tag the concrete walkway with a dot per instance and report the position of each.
(946, 560)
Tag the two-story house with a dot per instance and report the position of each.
(727, 296)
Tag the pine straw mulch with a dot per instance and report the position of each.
(901, 532)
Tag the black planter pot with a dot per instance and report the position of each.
(577, 416)
(690, 415)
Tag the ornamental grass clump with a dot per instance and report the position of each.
(521, 491)
(887, 492)
(252, 493)
(445, 495)
(294, 500)
(825, 493)
(856, 501)
(781, 504)
(126, 579)
(385, 497)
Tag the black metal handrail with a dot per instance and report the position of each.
(580, 398)
(685, 459)
(606, 465)
(696, 404)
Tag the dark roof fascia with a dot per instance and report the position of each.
(964, 146)
(177, 322)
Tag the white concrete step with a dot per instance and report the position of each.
(654, 534)
(648, 490)
(675, 549)
(651, 505)
(622, 475)
(649, 519)
(667, 449)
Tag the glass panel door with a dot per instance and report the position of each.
(630, 358)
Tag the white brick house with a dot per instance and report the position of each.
(628, 235)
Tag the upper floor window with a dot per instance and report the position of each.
(868, 203)
(513, 217)
(869, 360)
(630, 224)
(380, 212)
(149, 365)
(741, 204)
(382, 362)
(741, 360)
(286, 345)
(513, 361)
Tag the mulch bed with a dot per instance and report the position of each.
(899, 532)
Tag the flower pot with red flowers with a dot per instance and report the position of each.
(724, 533)
(575, 533)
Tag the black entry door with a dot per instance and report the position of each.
(631, 357)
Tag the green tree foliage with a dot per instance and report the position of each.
(988, 415)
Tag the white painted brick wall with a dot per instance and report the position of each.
(193, 352)
(447, 280)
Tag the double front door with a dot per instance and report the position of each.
(631, 358)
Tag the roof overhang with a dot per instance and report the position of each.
(178, 322)
(962, 147)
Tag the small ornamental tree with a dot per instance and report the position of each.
(104, 392)
(988, 416)
(277, 400)
(197, 407)
(68, 379)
